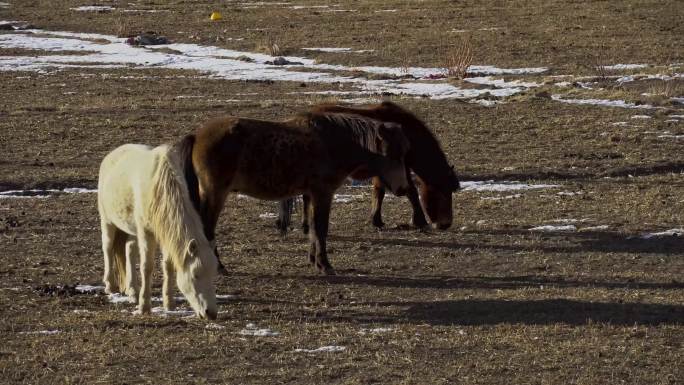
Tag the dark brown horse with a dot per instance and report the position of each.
(436, 179)
(311, 154)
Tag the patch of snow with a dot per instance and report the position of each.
(120, 298)
(214, 326)
(485, 102)
(346, 198)
(500, 83)
(81, 311)
(268, 215)
(514, 196)
(666, 233)
(45, 332)
(42, 193)
(502, 186)
(252, 330)
(323, 349)
(567, 220)
(641, 117)
(385, 10)
(554, 228)
(677, 100)
(620, 124)
(667, 136)
(4, 5)
(562, 84)
(365, 331)
(225, 296)
(165, 313)
(625, 79)
(676, 116)
(603, 102)
(89, 288)
(79, 190)
(593, 228)
(569, 193)
(624, 66)
(93, 8)
(323, 49)
(225, 63)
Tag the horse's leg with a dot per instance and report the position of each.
(132, 258)
(318, 253)
(108, 234)
(211, 204)
(418, 219)
(167, 285)
(306, 213)
(376, 208)
(147, 247)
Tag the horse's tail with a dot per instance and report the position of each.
(285, 215)
(119, 251)
(184, 148)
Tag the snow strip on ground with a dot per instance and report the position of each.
(252, 330)
(624, 66)
(554, 228)
(502, 186)
(666, 233)
(43, 193)
(93, 8)
(323, 349)
(104, 51)
(46, 332)
(602, 102)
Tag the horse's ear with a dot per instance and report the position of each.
(193, 247)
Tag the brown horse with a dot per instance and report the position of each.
(311, 154)
(435, 177)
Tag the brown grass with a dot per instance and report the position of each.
(458, 58)
(486, 302)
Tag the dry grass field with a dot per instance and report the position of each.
(595, 298)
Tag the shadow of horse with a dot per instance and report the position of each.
(656, 168)
(589, 241)
(483, 312)
(485, 283)
(542, 312)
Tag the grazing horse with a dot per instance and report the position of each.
(143, 202)
(436, 178)
(309, 154)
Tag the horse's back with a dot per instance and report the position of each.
(125, 177)
(265, 159)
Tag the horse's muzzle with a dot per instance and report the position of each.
(211, 314)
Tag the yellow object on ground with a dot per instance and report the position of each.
(215, 16)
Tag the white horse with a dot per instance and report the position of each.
(144, 201)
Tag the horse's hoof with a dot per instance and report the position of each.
(305, 229)
(378, 223)
(143, 309)
(328, 271)
(109, 288)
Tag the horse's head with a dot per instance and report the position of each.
(436, 199)
(195, 277)
(393, 146)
